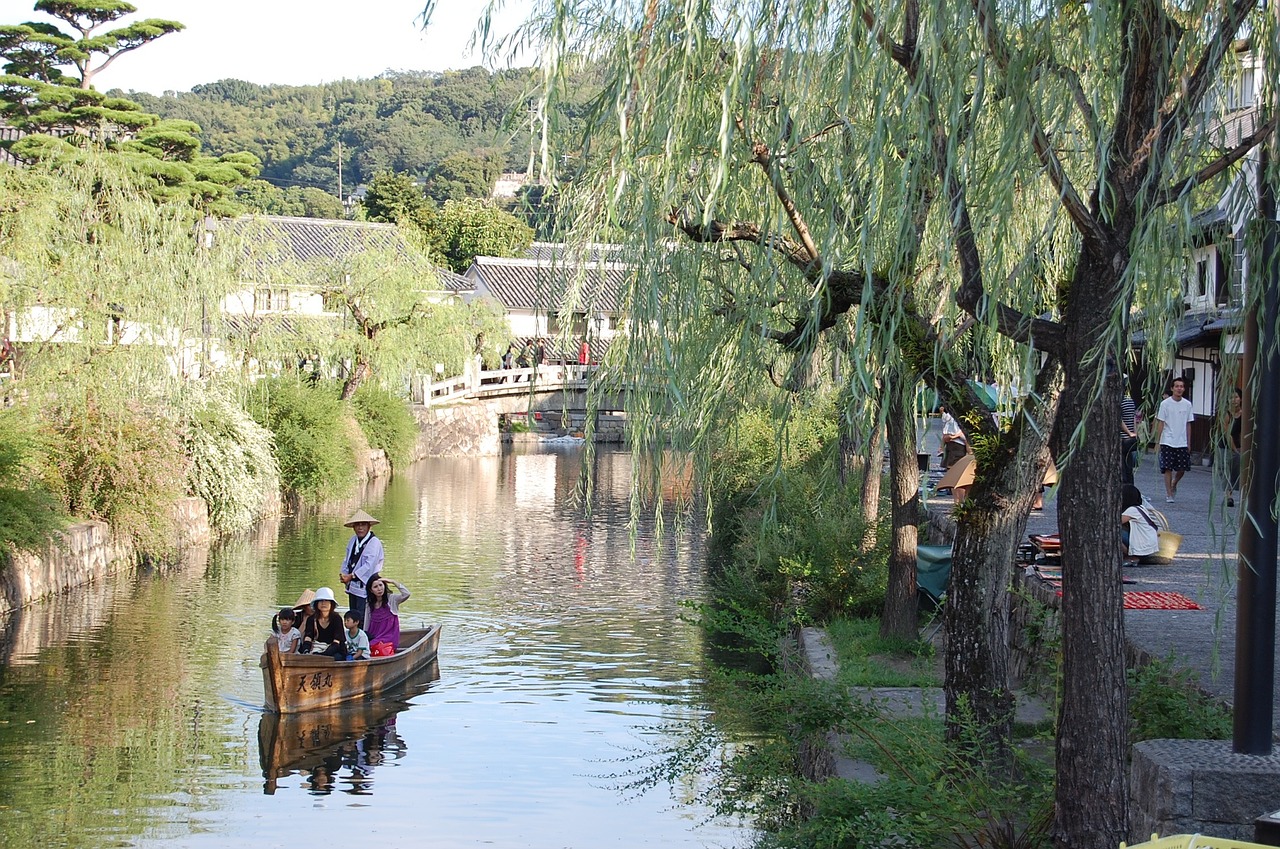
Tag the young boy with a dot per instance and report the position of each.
(287, 636)
(357, 640)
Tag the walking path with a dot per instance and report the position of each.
(1205, 570)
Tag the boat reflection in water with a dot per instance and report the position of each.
(356, 737)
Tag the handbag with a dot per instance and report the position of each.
(1170, 542)
(382, 648)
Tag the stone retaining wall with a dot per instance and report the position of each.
(456, 429)
(87, 552)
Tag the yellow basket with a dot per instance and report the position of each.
(1192, 841)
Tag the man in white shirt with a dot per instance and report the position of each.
(1173, 432)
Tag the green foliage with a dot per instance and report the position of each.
(1165, 702)
(928, 795)
(779, 515)
(47, 92)
(868, 660)
(29, 512)
(467, 228)
(394, 198)
(297, 201)
(403, 122)
(120, 462)
(313, 437)
(386, 422)
(463, 175)
(233, 467)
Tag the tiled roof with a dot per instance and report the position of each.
(455, 283)
(552, 252)
(1192, 328)
(310, 239)
(536, 285)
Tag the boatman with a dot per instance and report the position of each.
(363, 561)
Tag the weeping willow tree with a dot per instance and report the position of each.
(375, 305)
(103, 287)
(103, 291)
(1008, 173)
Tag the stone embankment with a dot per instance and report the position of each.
(88, 552)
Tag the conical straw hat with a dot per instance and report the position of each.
(360, 516)
(303, 600)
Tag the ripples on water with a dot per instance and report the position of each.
(128, 710)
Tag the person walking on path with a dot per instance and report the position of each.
(1232, 428)
(1173, 433)
(1128, 435)
(364, 560)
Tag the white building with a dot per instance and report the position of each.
(547, 296)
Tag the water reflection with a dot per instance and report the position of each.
(319, 744)
(127, 715)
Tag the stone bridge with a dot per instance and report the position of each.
(462, 415)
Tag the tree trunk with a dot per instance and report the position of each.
(989, 525)
(898, 619)
(360, 372)
(1091, 798)
(872, 473)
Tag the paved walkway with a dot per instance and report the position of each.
(1205, 570)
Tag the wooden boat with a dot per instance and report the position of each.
(317, 739)
(298, 682)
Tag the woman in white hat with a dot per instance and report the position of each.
(324, 629)
(363, 560)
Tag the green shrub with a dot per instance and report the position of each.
(120, 462)
(313, 436)
(385, 421)
(233, 467)
(1165, 703)
(29, 512)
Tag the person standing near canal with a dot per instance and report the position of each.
(1173, 433)
(363, 561)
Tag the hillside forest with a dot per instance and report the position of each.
(455, 132)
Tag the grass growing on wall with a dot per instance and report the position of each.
(119, 461)
(29, 511)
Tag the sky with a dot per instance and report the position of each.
(297, 42)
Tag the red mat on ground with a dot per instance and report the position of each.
(1135, 600)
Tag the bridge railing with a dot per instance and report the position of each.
(544, 378)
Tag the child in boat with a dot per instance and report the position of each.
(382, 613)
(357, 641)
(287, 636)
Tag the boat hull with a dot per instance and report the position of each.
(300, 682)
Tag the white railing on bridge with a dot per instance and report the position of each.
(480, 383)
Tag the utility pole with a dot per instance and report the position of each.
(1260, 434)
(340, 172)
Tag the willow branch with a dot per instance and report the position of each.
(1181, 111)
(1217, 166)
(1072, 81)
(1076, 209)
(761, 155)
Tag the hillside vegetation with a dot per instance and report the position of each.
(433, 126)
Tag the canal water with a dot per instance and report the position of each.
(130, 712)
